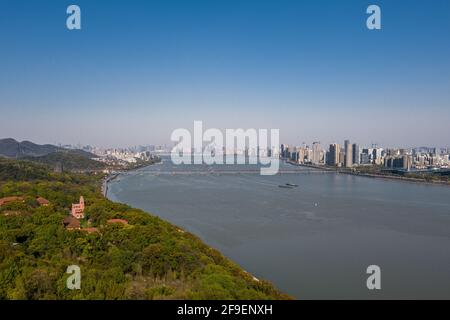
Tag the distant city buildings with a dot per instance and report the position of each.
(352, 155)
(303, 154)
(348, 155)
(119, 156)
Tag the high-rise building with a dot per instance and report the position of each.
(283, 150)
(287, 152)
(399, 162)
(348, 162)
(365, 157)
(407, 162)
(301, 155)
(356, 154)
(333, 155)
(341, 158)
(377, 156)
(294, 155)
(317, 153)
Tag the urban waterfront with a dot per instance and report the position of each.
(314, 240)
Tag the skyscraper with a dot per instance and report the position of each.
(301, 155)
(377, 156)
(348, 162)
(356, 154)
(333, 155)
(316, 153)
(407, 162)
(283, 151)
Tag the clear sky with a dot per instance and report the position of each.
(139, 69)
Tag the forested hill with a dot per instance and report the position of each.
(14, 149)
(68, 160)
(146, 258)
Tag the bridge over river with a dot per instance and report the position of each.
(236, 172)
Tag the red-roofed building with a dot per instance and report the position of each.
(117, 221)
(90, 230)
(42, 201)
(11, 199)
(70, 223)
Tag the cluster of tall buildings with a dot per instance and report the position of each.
(351, 155)
(304, 154)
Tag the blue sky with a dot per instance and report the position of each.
(139, 69)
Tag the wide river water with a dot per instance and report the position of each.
(312, 241)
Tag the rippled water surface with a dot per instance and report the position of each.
(312, 241)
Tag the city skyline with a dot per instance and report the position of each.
(352, 155)
(133, 74)
(168, 145)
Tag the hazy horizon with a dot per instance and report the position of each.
(312, 69)
(171, 144)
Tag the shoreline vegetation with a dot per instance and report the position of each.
(110, 176)
(376, 172)
(146, 258)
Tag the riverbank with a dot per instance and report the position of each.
(113, 175)
(371, 175)
(398, 178)
(106, 180)
(144, 258)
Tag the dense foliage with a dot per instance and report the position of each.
(146, 259)
(70, 160)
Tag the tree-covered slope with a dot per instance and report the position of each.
(69, 160)
(146, 259)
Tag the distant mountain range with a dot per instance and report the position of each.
(11, 148)
(60, 159)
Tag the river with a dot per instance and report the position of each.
(314, 241)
